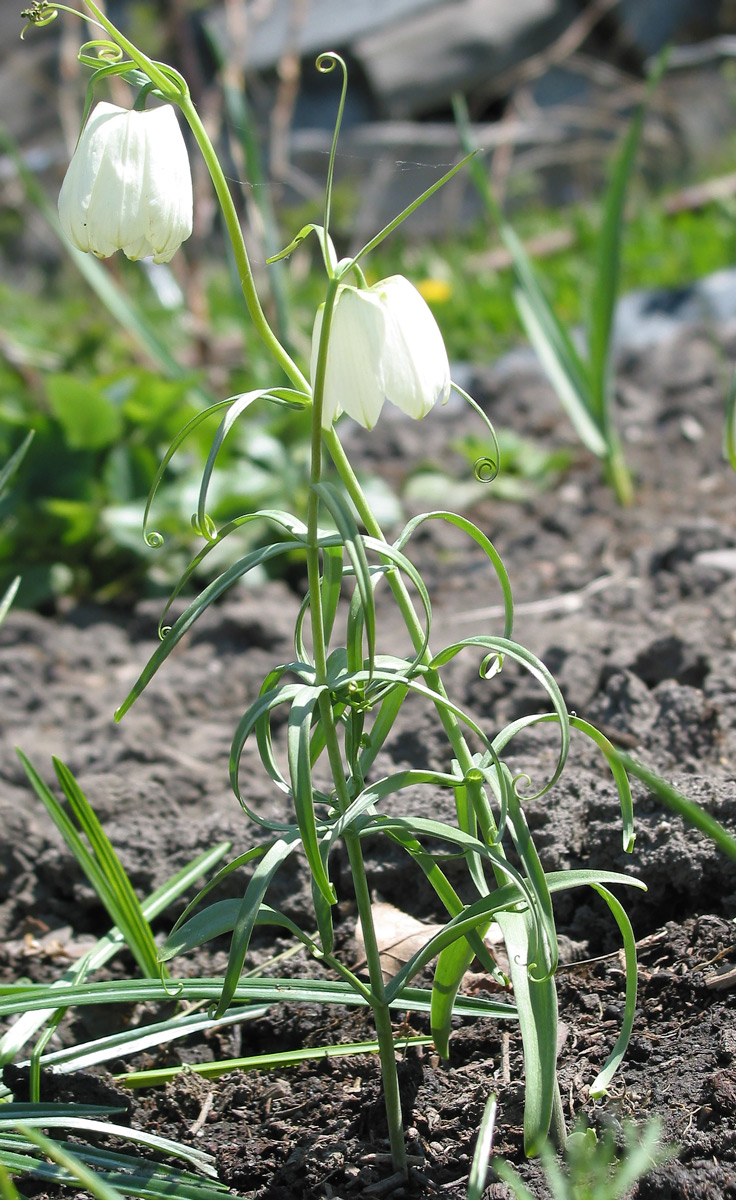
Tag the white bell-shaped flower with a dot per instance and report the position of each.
(129, 185)
(384, 345)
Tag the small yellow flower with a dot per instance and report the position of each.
(435, 291)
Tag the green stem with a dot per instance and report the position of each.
(378, 1002)
(232, 224)
(381, 1011)
(157, 76)
(618, 474)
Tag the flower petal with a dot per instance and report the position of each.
(128, 186)
(353, 379)
(416, 367)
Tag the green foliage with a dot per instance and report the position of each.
(595, 1169)
(72, 522)
(582, 381)
(346, 709)
(106, 1174)
(7, 473)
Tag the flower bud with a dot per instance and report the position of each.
(384, 345)
(128, 186)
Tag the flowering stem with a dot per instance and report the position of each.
(378, 1002)
(245, 273)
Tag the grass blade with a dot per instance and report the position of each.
(573, 394)
(67, 1117)
(16, 998)
(11, 467)
(74, 1169)
(102, 867)
(84, 1055)
(261, 1062)
(608, 267)
(124, 905)
(483, 1151)
(107, 947)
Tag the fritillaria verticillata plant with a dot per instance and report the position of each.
(341, 691)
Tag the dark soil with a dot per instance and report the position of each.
(635, 613)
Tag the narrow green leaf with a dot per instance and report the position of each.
(113, 1170)
(395, 558)
(454, 961)
(483, 1150)
(75, 1169)
(155, 539)
(407, 212)
(251, 718)
(10, 469)
(195, 610)
(300, 768)
(600, 1084)
(544, 949)
(8, 1191)
(536, 1001)
(8, 597)
(295, 242)
(608, 267)
(323, 910)
(19, 1110)
(239, 405)
(351, 539)
(262, 1062)
(83, 1055)
(247, 915)
(672, 798)
(536, 668)
(609, 750)
(390, 785)
(16, 998)
(382, 725)
(293, 527)
(126, 904)
(69, 1118)
(218, 919)
(124, 912)
(572, 391)
(481, 540)
(332, 573)
(241, 860)
(476, 916)
(107, 947)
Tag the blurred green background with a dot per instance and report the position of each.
(105, 398)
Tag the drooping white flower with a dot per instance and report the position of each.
(128, 186)
(384, 345)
